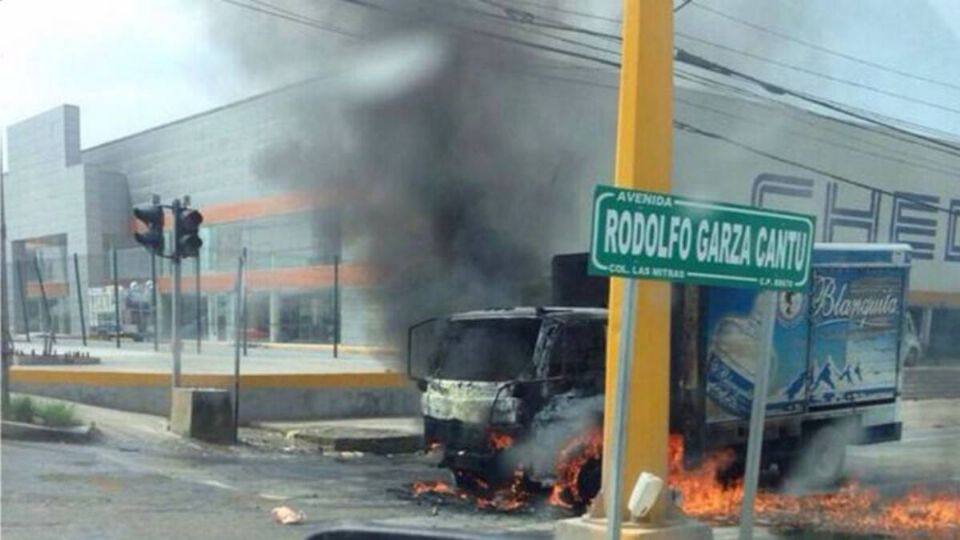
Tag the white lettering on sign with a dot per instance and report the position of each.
(636, 233)
(778, 249)
(646, 199)
(652, 235)
(723, 242)
(831, 302)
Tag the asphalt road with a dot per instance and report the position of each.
(140, 482)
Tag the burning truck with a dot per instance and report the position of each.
(516, 395)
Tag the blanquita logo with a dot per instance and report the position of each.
(831, 301)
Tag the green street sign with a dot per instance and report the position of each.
(648, 235)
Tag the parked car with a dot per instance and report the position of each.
(110, 331)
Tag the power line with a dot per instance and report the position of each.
(491, 35)
(515, 20)
(802, 114)
(274, 11)
(527, 17)
(818, 101)
(886, 156)
(537, 5)
(819, 74)
(683, 126)
(823, 49)
(687, 127)
(683, 5)
(685, 57)
(698, 61)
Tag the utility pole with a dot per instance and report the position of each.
(644, 136)
(83, 323)
(116, 296)
(238, 311)
(643, 161)
(6, 348)
(336, 304)
(175, 301)
(243, 292)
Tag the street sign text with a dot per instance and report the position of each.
(649, 235)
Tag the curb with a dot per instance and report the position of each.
(368, 441)
(33, 432)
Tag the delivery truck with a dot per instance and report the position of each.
(509, 389)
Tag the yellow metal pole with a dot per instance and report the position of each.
(644, 145)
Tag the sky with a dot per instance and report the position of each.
(135, 64)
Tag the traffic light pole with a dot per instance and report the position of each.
(186, 243)
(175, 304)
(196, 265)
(153, 289)
(116, 297)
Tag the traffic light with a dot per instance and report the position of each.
(188, 240)
(151, 215)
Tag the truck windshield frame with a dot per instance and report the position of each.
(485, 350)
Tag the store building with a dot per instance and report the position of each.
(863, 183)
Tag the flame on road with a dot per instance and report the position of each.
(512, 494)
(852, 508)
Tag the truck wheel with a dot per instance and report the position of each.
(820, 463)
(588, 481)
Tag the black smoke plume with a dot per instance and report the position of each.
(449, 170)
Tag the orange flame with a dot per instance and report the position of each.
(852, 508)
(512, 495)
(499, 441)
(420, 487)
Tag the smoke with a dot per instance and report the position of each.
(820, 463)
(448, 170)
(564, 418)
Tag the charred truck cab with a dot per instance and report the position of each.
(514, 391)
(503, 389)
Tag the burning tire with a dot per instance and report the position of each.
(588, 480)
(578, 471)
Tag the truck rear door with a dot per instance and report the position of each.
(856, 315)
